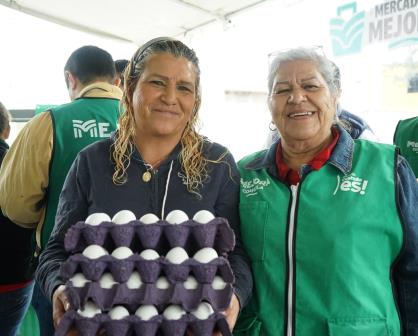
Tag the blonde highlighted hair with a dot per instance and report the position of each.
(191, 155)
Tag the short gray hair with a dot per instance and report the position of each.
(325, 66)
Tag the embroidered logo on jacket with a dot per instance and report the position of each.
(412, 145)
(251, 187)
(91, 128)
(351, 183)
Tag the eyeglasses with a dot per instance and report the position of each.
(138, 54)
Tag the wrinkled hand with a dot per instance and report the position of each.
(231, 314)
(60, 305)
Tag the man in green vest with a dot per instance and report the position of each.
(406, 138)
(35, 168)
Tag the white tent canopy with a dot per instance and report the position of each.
(134, 21)
(232, 39)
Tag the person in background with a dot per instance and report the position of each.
(34, 169)
(5, 119)
(406, 138)
(354, 125)
(120, 66)
(156, 162)
(15, 284)
(330, 223)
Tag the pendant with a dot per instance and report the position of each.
(146, 177)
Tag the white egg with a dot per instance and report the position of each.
(146, 312)
(203, 311)
(176, 217)
(134, 281)
(149, 254)
(97, 218)
(122, 252)
(79, 280)
(218, 283)
(118, 313)
(89, 310)
(190, 283)
(107, 281)
(123, 217)
(177, 255)
(162, 283)
(205, 255)
(94, 251)
(173, 312)
(203, 216)
(149, 218)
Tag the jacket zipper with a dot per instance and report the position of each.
(290, 249)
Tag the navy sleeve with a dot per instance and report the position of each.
(227, 207)
(406, 268)
(72, 207)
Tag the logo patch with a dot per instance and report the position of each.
(347, 30)
(251, 187)
(91, 128)
(412, 145)
(351, 183)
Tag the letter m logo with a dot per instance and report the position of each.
(80, 127)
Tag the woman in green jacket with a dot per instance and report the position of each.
(330, 223)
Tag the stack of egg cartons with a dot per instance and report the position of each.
(149, 276)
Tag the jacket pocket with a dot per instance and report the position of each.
(248, 327)
(358, 326)
(253, 221)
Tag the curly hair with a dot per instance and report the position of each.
(191, 155)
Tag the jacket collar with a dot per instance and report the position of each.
(341, 157)
(101, 90)
(136, 156)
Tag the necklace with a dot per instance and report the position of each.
(147, 175)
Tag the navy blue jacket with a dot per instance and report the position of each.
(89, 188)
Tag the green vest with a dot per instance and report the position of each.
(75, 126)
(346, 235)
(406, 138)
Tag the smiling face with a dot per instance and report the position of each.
(301, 103)
(164, 97)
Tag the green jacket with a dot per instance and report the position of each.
(322, 251)
(75, 126)
(406, 138)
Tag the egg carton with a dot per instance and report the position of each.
(160, 236)
(120, 294)
(133, 325)
(149, 270)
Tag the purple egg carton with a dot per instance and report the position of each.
(133, 325)
(149, 270)
(120, 294)
(160, 236)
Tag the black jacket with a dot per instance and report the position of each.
(14, 241)
(89, 188)
(3, 149)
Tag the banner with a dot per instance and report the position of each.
(391, 22)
